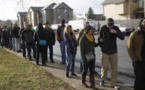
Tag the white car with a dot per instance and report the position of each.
(125, 29)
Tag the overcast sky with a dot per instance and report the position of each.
(9, 8)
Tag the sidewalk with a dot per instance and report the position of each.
(59, 71)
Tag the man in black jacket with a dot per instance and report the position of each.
(51, 41)
(6, 37)
(16, 35)
(107, 40)
(27, 37)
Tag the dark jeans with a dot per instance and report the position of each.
(42, 50)
(0, 41)
(10, 43)
(50, 52)
(139, 71)
(90, 65)
(24, 49)
(29, 46)
(6, 42)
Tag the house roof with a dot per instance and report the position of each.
(22, 13)
(50, 6)
(59, 5)
(113, 1)
(36, 8)
(53, 6)
(139, 10)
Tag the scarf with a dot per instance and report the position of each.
(90, 38)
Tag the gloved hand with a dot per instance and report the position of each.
(135, 64)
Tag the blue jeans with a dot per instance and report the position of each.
(62, 48)
(70, 62)
(42, 50)
(3, 42)
(90, 65)
(10, 43)
(13, 43)
(29, 46)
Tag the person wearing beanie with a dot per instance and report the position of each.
(60, 38)
(136, 51)
(87, 48)
(107, 40)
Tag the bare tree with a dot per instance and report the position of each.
(8, 23)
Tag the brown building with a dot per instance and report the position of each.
(123, 9)
(53, 13)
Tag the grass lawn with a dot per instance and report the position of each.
(17, 73)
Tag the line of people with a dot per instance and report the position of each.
(41, 39)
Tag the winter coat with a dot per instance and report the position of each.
(109, 46)
(50, 36)
(71, 44)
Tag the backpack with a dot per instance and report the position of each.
(41, 42)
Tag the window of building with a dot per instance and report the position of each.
(58, 10)
(141, 3)
(65, 10)
(134, 1)
(59, 17)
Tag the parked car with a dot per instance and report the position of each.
(125, 29)
(79, 24)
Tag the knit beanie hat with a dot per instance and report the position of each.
(110, 22)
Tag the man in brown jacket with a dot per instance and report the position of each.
(136, 50)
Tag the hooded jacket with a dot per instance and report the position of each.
(109, 46)
(136, 44)
(86, 46)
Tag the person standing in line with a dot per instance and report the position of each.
(10, 37)
(60, 38)
(99, 25)
(23, 43)
(6, 37)
(13, 39)
(40, 34)
(71, 49)
(87, 49)
(16, 31)
(107, 40)
(50, 41)
(3, 43)
(1, 36)
(136, 51)
(27, 37)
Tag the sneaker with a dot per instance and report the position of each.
(102, 83)
(116, 86)
(74, 74)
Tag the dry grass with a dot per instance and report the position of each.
(17, 73)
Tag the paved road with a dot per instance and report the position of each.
(124, 63)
